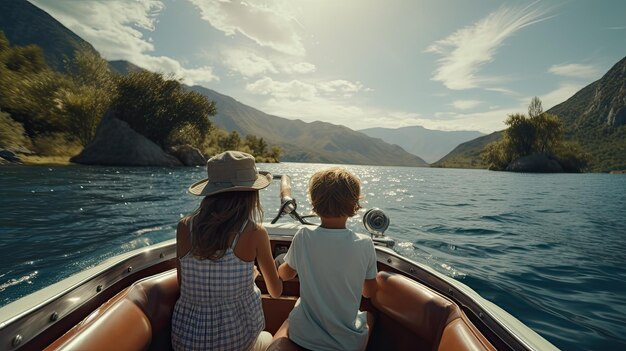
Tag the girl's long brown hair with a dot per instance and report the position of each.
(218, 219)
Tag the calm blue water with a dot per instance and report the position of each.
(549, 249)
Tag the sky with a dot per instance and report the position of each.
(440, 64)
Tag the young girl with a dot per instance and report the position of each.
(335, 267)
(219, 307)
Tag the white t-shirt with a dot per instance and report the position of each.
(332, 265)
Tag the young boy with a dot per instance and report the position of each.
(335, 267)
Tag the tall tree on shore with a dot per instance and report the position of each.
(156, 106)
(92, 90)
(535, 107)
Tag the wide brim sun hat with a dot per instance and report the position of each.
(231, 171)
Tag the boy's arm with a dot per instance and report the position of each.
(369, 285)
(266, 263)
(285, 272)
(369, 288)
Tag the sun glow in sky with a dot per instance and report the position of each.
(449, 65)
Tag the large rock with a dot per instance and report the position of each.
(188, 155)
(8, 157)
(117, 144)
(537, 163)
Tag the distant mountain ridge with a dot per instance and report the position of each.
(307, 142)
(595, 117)
(431, 145)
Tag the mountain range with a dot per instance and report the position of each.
(300, 141)
(431, 145)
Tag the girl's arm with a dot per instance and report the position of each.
(266, 263)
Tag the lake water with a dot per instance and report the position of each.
(548, 248)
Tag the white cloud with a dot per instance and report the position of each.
(294, 90)
(111, 27)
(299, 90)
(559, 95)
(465, 104)
(575, 70)
(317, 109)
(299, 67)
(466, 50)
(247, 63)
(269, 23)
(329, 101)
(483, 121)
(340, 86)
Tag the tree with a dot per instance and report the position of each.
(535, 108)
(155, 106)
(495, 155)
(12, 133)
(231, 142)
(257, 146)
(520, 135)
(548, 132)
(90, 95)
(28, 87)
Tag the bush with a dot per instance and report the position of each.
(155, 107)
(88, 95)
(12, 133)
(56, 144)
(187, 134)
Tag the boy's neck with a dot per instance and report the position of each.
(334, 222)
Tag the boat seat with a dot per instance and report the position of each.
(433, 321)
(137, 318)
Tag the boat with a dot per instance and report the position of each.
(126, 302)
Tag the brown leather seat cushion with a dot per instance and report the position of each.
(416, 307)
(137, 318)
(432, 317)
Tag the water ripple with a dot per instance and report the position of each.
(549, 249)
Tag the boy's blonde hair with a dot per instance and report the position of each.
(335, 192)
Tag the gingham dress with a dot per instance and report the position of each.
(219, 307)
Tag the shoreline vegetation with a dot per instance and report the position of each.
(50, 117)
(535, 143)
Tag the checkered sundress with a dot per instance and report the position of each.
(219, 307)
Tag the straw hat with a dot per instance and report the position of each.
(231, 171)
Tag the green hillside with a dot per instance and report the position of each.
(467, 155)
